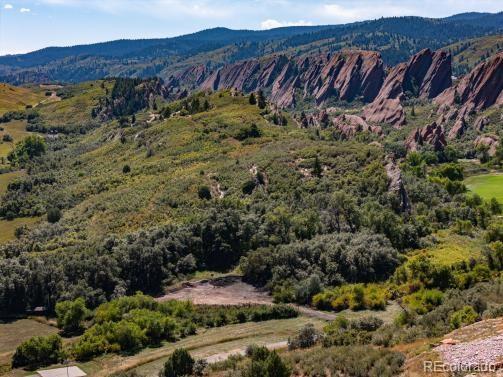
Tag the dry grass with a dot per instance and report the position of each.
(14, 98)
(16, 129)
(8, 227)
(208, 342)
(12, 334)
(7, 178)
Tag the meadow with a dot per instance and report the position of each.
(17, 98)
(17, 130)
(13, 333)
(488, 186)
(8, 227)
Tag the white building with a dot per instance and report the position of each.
(61, 372)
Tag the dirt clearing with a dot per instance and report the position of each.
(228, 290)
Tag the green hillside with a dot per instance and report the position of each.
(120, 191)
(17, 98)
(467, 54)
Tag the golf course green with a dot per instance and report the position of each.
(488, 186)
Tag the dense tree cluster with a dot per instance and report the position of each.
(129, 323)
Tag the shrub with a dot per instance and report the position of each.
(306, 338)
(32, 146)
(157, 326)
(249, 186)
(126, 169)
(494, 232)
(179, 364)
(70, 315)
(424, 301)
(248, 132)
(463, 317)
(204, 193)
(53, 215)
(7, 138)
(264, 363)
(352, 296)
(38, 351)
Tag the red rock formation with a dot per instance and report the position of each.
(425, 75)
(432, 134)
(480, 89)
(481, 122)
(389, 111)
(191, 77)
(490, 141)
(346, 75)
(458, 129)
(350, 125)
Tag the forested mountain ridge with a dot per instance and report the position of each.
(345, 174)
(396, 38)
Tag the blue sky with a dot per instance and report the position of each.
(27, 25)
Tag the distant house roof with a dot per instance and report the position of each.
(62, 372)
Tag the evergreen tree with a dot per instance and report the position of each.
(252, 99)
(317, 168)
(179, 364)
(261, 102)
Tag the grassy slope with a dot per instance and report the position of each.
(478, 48)
(187, 152)
(16, 98)
(452, 248)
(488, 186)
(16, 129)
(76, 108)
(205, 343)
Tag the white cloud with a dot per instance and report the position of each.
(25, 10)
(8, 6)
(272, 24)
(361, 11)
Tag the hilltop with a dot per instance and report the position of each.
(396, 38)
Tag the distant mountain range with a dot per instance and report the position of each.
(396, 38)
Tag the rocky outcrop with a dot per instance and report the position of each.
(191, 77)
(458, 129)
(481, 123)
(433, 134)
(389, 111)
(491, 142)
(347, 76)
(350, 125)
(347, 124)
(396, 186)
(425, 75)
(478, 90)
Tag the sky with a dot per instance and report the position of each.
(27, 25)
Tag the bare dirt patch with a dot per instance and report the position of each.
(228, 290)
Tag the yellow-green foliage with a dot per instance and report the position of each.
(451, 248)
(170, 160)
(17, 130)
(13, 98)
(424, 301)
(463, 317)
(352, 296)
(8, 227)
(76, 104)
